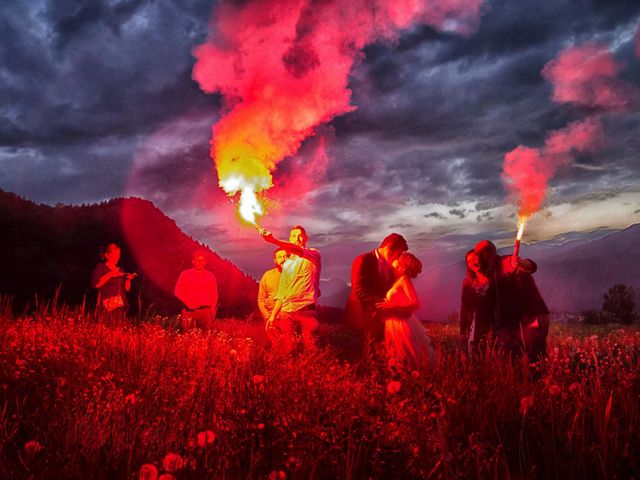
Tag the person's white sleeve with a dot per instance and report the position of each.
(178, 291)
(214, 292)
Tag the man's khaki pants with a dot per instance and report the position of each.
(287, 324)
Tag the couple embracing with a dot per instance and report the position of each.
(383, 301)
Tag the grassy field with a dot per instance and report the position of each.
(80, 400)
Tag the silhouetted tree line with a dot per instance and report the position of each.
(47, 248)
(618, 305)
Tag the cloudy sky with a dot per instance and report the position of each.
(98, 101)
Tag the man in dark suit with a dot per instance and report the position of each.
(521, 315)
(371, 277)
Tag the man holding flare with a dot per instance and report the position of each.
(298, 290)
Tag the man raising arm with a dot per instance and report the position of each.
(299, 288)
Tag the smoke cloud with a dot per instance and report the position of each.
(283, 67)
(587, 75)
(584, 76)
(527, 170)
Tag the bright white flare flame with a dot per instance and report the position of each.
(250, 206)
(521, 223)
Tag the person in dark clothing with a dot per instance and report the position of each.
(521, 315)
(372, 276)
(532, 315)
(112, 285)
(477, 306)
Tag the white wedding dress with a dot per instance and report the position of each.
(405, 338)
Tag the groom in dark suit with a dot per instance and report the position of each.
(371, 277)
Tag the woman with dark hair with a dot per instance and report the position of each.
(112, 284)
(405, 338)
(477, 308)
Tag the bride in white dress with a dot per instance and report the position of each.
(405, 338)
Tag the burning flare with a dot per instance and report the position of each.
(250, 207)
(516, 246)
(521, 223)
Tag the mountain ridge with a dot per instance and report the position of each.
(53, 247)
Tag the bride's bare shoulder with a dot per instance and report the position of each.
(403, 281)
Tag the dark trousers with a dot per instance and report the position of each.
(202, 318)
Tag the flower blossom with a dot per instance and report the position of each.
(526, 403)
(148, 471)
(393, 387)
(32, 448)
(206, 438)
(172, 462)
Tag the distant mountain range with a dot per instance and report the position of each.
(576, 279)
(46, 248)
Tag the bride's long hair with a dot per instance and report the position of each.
(409, 265)
(471, 278)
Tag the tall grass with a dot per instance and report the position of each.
(81, 400)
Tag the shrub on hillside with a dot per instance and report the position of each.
(619, 302)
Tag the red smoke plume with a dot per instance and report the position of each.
(587, 75)
(527, 170)
(282, 67)
(584, 76)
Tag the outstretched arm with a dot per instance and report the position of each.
(267, 236)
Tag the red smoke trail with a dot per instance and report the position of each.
(282, 67)
(527, 170)
(585, 76)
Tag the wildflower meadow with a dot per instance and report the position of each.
(82, 400)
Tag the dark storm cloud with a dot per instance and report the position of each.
(75, 71)
(484, 216)
(458, 212)
(447, 108)
(509, 27)
(71, 18)
(83, 82)
(85, 86)
(55, 174)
